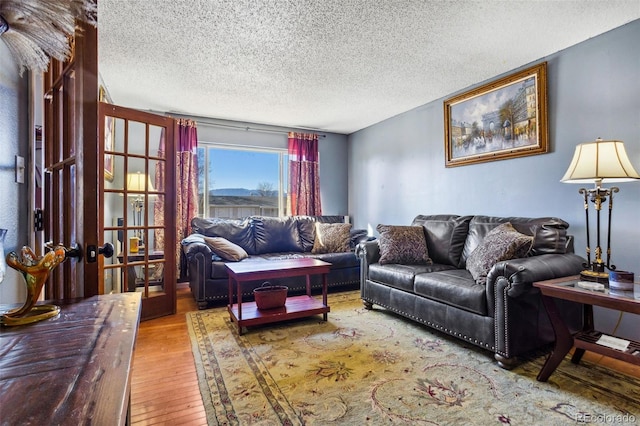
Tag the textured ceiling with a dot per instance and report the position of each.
(332, 65)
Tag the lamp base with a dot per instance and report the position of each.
(595, 276)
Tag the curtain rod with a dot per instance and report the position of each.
(204, 121)
(247, 128)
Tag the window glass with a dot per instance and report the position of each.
(241, 182)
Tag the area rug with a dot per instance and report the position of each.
(372, 367)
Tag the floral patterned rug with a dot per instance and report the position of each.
(372, 367)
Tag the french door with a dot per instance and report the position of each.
(70, 165)
(137, 213)
(94, 154)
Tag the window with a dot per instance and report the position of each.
(241, 181)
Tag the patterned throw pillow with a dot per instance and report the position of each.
(226, 249)
(331, 238)
(501, 243)
(403, 244)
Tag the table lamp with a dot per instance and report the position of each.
(136, 184)
(599, 162)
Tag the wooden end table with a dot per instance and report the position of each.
(566, 289)
(247, 314)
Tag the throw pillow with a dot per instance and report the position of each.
(503, 242)
(331, 238)
(226, 249)
(403, 244)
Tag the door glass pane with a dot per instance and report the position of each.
(119, 136)
(137, 138)
(112, 280)
(114, 176)
(156, 142)
(70, 134)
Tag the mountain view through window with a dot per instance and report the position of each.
(238, 182)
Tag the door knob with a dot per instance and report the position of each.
(106, 250)
(73, 251)
(92, 252)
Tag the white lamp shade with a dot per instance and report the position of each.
(604, 161)
(136, 181)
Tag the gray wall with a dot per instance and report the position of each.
(396, 167)
(14, 140)
(333, 155)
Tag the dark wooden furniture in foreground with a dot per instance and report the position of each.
(72, 369)
(565, 288)
(247, 314)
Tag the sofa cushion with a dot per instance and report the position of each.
(455, 287)
(332, 238)
(239, 232)
(401, 276)
(403, 244)
(339, 260)
(276, 234)
(503, 242)
(445, 235)
(226, 249)
(550, 233)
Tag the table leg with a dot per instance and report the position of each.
(564, 340)
(587, 327)
(308, 285)
(324, 294)
(230, 296)
(239, 299)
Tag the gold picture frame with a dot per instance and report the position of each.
(506, 118)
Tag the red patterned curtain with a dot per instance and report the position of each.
(186, 184)
(304, 176)
(187, 177)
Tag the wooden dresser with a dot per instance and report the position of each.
(72, 369)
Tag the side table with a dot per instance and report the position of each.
(566, 288)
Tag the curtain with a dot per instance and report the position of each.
(304, 176)
(186, 187)
(187, 183)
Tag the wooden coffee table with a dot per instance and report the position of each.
(587, 339)
(247, 314)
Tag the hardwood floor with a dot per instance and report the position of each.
(164, 387)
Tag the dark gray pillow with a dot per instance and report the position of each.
(403, 244)
(503, 242)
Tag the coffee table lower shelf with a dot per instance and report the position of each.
(295, 307)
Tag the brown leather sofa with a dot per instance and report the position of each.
(263, 238)
(505, 315)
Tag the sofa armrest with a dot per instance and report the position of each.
(522, 273)
(368, 252)
(192, 248)
(521, 322)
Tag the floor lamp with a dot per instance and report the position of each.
(599, 162)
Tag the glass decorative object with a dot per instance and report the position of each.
(35, 271)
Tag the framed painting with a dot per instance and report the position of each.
(109, 140)
(109, 137)
(506, 118)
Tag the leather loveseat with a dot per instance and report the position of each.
(264, 238)
(503, 312)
